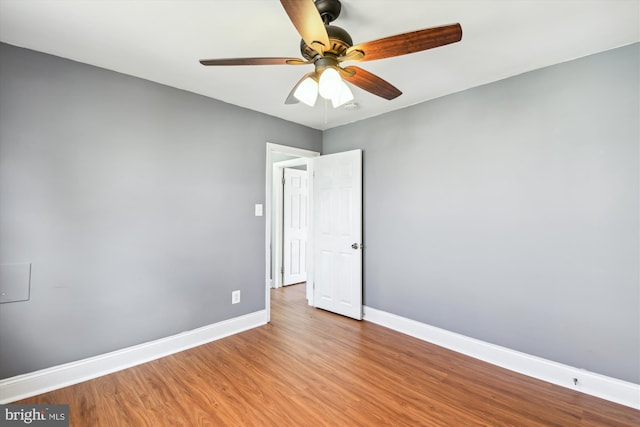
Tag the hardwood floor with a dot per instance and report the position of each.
(309, 367)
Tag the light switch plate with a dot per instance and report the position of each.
(258, 209)
(15, 282)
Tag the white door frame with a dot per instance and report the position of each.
(269, 191)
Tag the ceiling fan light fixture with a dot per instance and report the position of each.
(330, 83)
(307, 92)
(343, 97)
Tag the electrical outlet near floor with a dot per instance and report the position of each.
(235, 297)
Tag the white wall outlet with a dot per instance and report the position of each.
(235, 297)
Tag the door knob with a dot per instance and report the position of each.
(355, 246)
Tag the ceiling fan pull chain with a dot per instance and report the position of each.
(326, 108)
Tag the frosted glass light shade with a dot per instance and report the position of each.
(330, 83)
(307, 92)
(343, 96)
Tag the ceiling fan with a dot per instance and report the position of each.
(326, 46)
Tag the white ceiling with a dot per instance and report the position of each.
(162, 41)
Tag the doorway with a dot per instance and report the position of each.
(335, 222)
(279, 157)
(281, 214)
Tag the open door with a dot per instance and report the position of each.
(295, 219)
(337, 235)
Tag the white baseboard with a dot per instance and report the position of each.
(612, 389)
(33, 383)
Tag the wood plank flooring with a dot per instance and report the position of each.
(309, 367)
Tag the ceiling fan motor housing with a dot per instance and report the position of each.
(339, 41)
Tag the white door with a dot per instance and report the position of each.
(296, 195)
(337, 236)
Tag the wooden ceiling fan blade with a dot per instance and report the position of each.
(292, 99)
(305, 17)
(403, 44)
(370, 82)
(253, 61)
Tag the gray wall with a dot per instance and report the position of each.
(509, 212)
(133, 201)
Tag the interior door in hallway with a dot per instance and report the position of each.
(337, 235)
(295, 226)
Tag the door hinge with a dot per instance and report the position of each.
(281, 270)
(283, 180)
